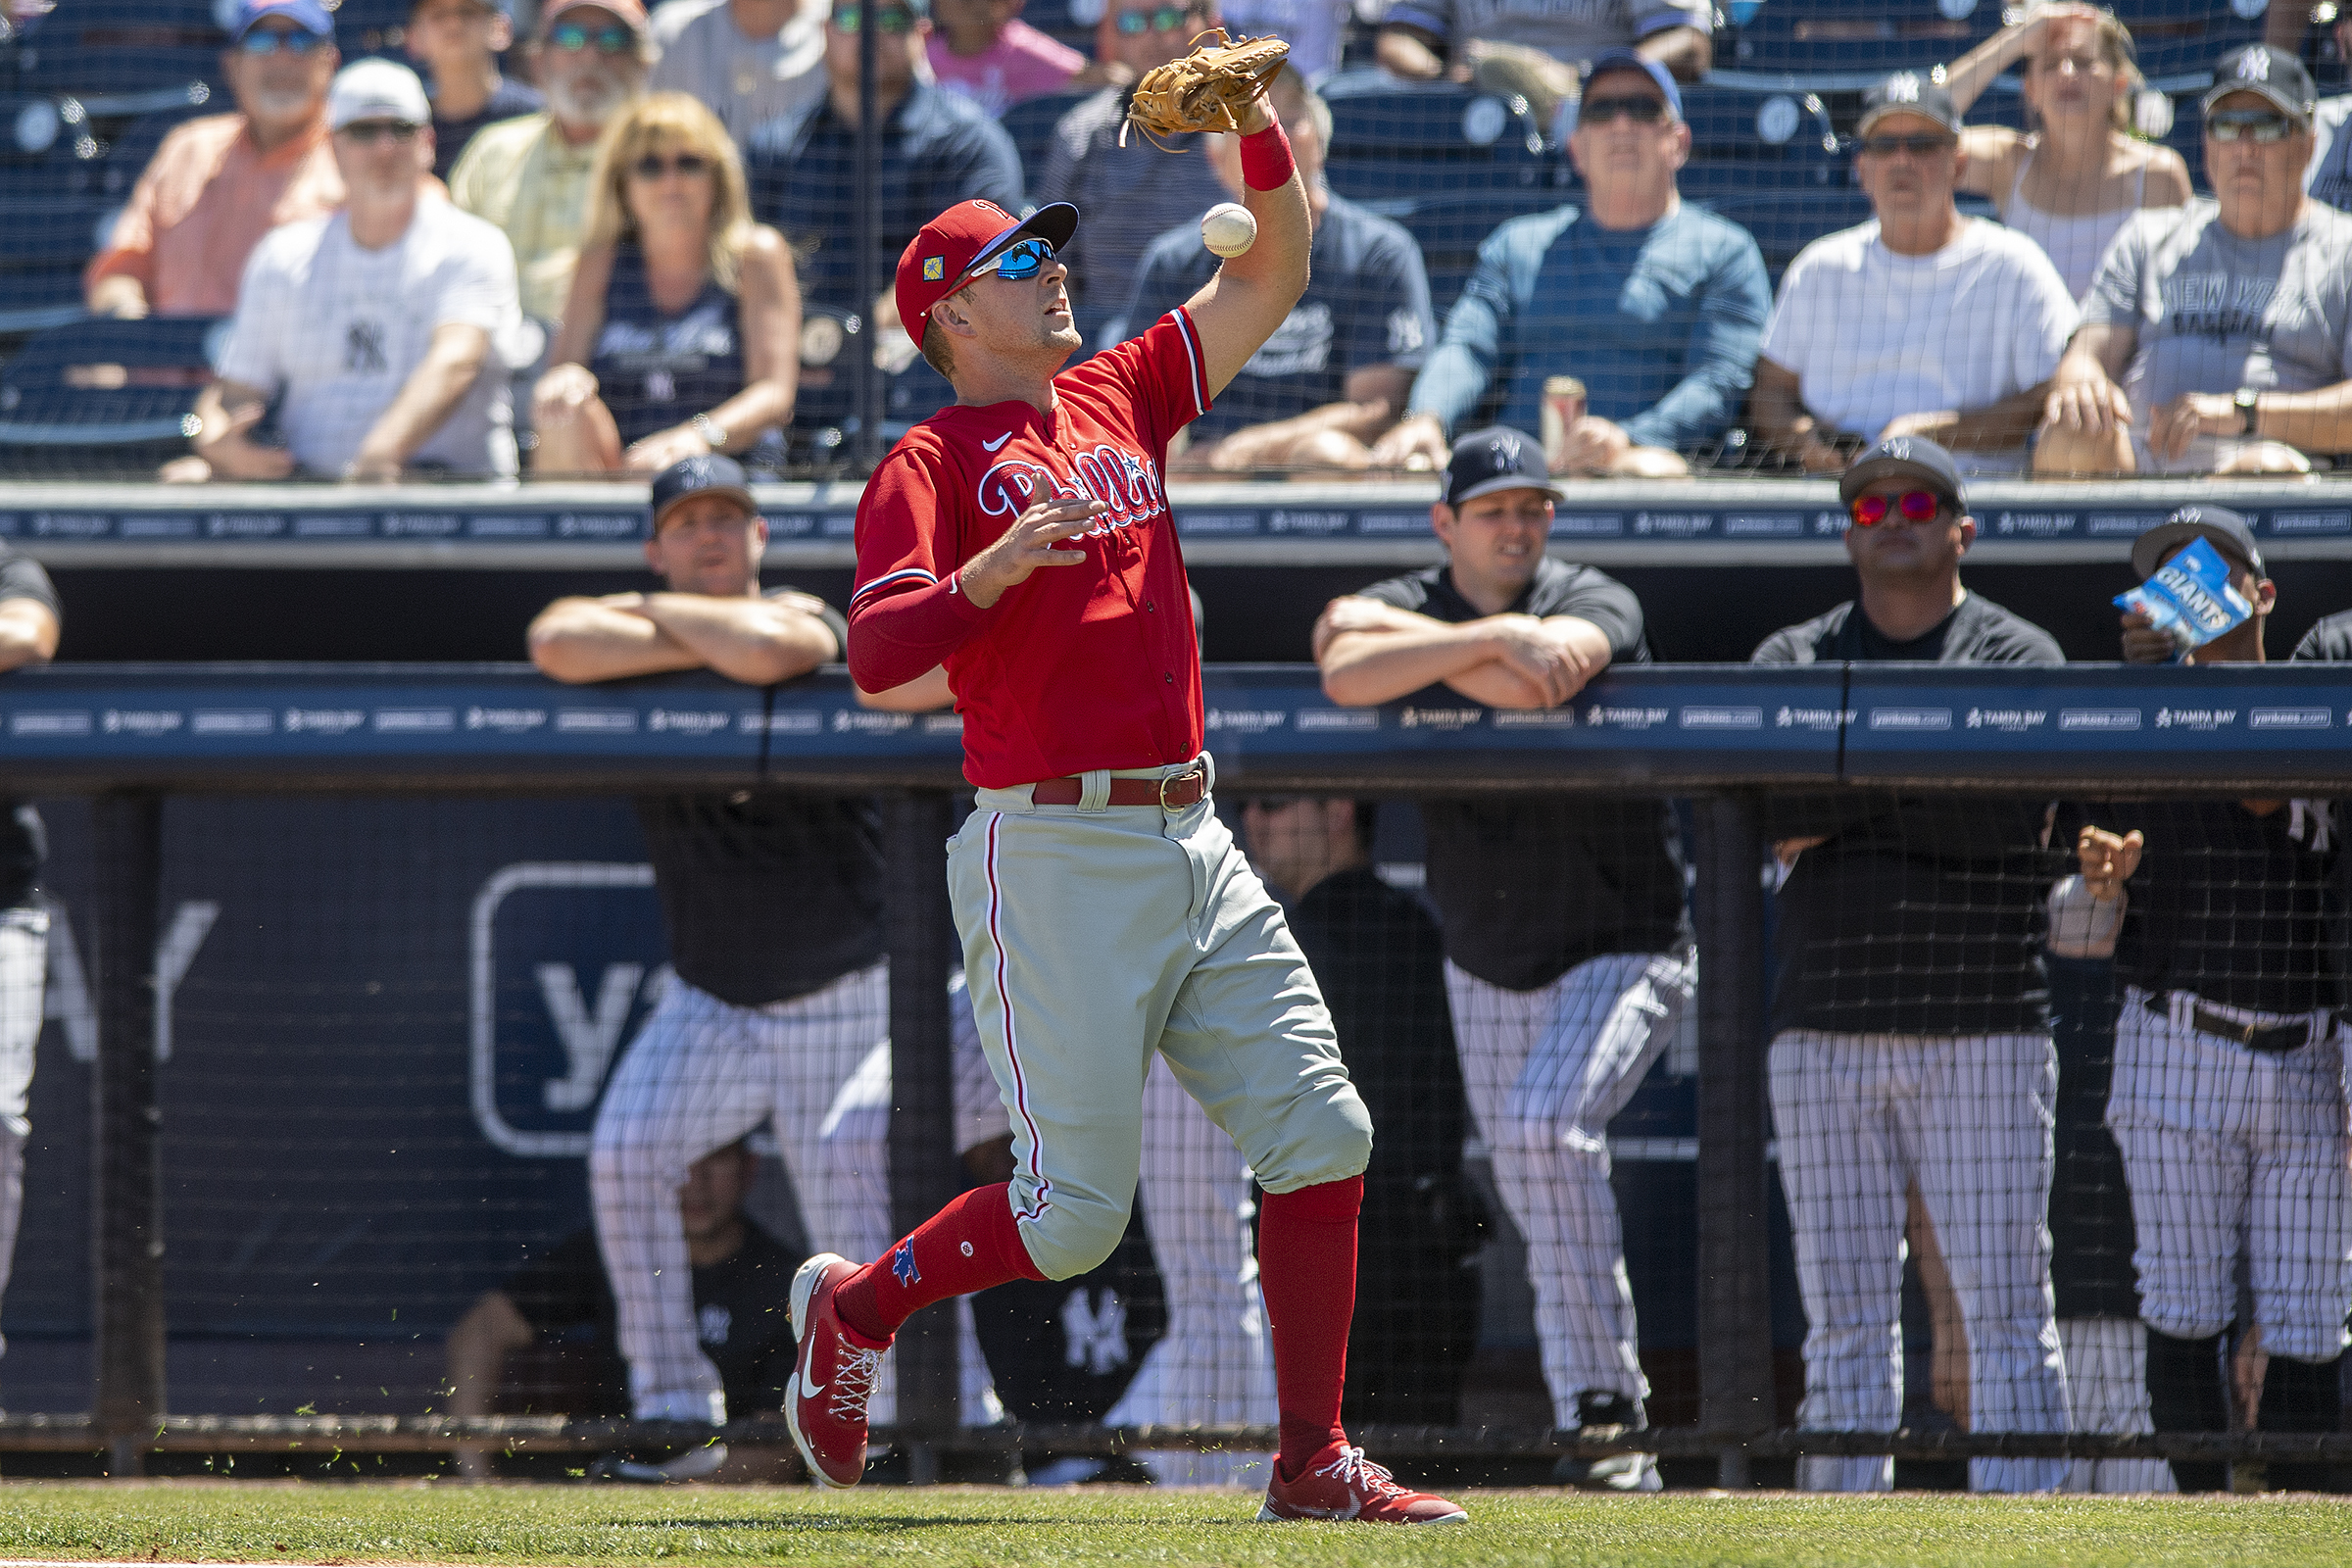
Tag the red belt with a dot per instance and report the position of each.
(1174, 793)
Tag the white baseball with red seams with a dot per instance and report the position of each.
(1228, 229)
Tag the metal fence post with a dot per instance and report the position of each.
(923, 1167)
(126, 1186)
(1735, 1300)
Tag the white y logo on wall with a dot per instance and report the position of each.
(67, 996)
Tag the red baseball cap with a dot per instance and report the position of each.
(940, 259)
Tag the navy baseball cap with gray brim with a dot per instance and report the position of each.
(1907, 92)
(1498, 458)
(1634, 60)
(2266, 73)
(705, 476)
(2225, 530)
(310, 15)
(1905, 456)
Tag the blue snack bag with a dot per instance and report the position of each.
(2190, 596)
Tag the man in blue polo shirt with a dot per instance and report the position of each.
(936, 150)
(1334, 376)
(1656, 307)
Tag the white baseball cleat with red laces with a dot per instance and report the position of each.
(1339, 1483)
(832, 1378)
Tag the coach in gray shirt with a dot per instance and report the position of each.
(2227, 320)
(1131, 195)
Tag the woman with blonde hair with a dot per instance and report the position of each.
(2076, 179)
(681, 336)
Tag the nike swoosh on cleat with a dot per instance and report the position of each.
(991, 446)
(808, 1390)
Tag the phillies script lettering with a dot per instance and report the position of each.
(1128, 486)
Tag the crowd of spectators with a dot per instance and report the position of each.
(2109, 322)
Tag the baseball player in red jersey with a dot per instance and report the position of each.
(1022, 538)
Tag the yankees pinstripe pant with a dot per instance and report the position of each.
(701, 1074)
(23, 953)
(1970, 1119)
(1545, 1071)
(2107, 1389)
(2221, 1142)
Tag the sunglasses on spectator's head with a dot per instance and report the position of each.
(271, 40)
(1640, 110)
(368, 132)
(572, 37)
(1161, 19)
(653, 165)
(1018, 261)
(1922, 145)
(2261, 125)
(890, 18)
(1916, 505)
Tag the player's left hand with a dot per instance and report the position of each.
(2143, 644)
(2174, 424)
(2108, 860)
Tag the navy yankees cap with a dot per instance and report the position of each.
(1907, 92)
(1904, 456)
(2225, 530)
(1497, 458)
(2272, 73)
(709, 475)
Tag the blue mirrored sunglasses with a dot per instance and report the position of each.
(271, 40)
(1023, 261)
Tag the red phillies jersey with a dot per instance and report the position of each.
(1078, 668)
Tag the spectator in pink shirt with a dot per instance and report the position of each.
(983, 50)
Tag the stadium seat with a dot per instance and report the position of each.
(109, 55)
(2178, 40)
(1394, 138)
(1746, 139)
(1846, 44)
(1030, 127)
(103, 396)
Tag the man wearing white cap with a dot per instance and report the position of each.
(383, 325)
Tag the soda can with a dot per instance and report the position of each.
(1563, 406)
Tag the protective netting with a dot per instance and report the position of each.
(1491, 247)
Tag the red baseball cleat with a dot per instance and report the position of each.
(1339, 1483)
(827, 1414)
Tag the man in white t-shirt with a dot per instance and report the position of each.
(1919, 323)
(750, 60)
(387, 325)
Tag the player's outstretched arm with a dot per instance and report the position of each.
(755, 641)
(1374, 653)
(1252, 293)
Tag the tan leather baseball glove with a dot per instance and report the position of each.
(1206, 89)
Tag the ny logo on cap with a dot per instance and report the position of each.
(935, 267)
(1902, 88)
(2190, 514)
(1505, 450)
(1899, 449)
(2254, 65)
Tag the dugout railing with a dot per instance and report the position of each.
(1724, 738)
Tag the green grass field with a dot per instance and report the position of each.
(410, 1522)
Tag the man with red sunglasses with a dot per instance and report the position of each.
(1911, 1036)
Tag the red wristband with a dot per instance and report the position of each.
(1266, 159)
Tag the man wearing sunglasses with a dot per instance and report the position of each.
(1132, 194)
(750, 60)
(1920, 323)
(530, 177)
(936, 146)
(1568, 961)
(1657, 307)
(1023, 539)
(385, 329)
(217, 184)
(2212, 340)
(1911, 1037)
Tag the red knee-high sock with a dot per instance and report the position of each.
(969, 1245)
(1307, 1266)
